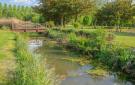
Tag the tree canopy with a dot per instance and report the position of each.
(19, 12)
(61, 11)
(117, 12)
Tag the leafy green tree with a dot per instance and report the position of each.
(1, 10)
(19, 12)
(118, 12)
(87, 20)
(61, 10)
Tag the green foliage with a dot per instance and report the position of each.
(55, 34)
(116, 57)
(68, 30)
(86, 45)
(20, 12)
(62, 11)
(72, 38)
(35, 19)
(76, 24)
(99, 44)
(50, 24)
(118, 12)
(87, 20)
(31, 70)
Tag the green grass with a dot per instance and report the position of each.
(27, 68)
(7, 45)
(125, 39)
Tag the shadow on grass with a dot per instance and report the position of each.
(125, 34)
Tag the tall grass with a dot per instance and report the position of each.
(31, 70)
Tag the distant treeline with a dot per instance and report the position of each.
(116, 13)
(20, 12)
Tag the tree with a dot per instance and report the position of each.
(20, 12)
(87, 20)
(133, 9)
(1, 10)
(117, 12)
(61, 10)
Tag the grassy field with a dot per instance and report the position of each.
(125, 39)
(6, 55)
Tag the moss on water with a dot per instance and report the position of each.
(98, 71)
(82, 61)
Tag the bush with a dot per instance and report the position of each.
(50, 24)
(55, 34)
(72, 38)
(116, 57)
(76, 25)
(86, 21)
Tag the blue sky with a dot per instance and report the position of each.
(20, 2)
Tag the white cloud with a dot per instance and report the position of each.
(22, 0)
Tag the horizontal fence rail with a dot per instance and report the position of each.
(22, 26)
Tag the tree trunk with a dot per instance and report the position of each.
(62, 21)
(76, 17)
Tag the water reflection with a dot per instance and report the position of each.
(35, 44)
(71, 73)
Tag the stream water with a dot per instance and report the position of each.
(71, 73)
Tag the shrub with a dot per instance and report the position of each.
(55, 34)
(86, 21)
(50, 24)
(76, 24)
(72, 37)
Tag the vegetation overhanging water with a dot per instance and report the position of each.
(71, 72)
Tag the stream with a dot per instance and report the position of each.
(71, 73)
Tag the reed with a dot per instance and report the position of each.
(31, 70)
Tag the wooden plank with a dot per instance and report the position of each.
(28, 30)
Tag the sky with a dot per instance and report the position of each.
(21, 2)
(25, 2)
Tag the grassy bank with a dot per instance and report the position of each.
(31, 70)
(7, 59)
(99, 45)
(18, 66)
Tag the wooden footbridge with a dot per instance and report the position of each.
(22, 26)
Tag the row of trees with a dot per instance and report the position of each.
(19, 12)
(118, 12)
(101, 12)
(63, 11)
(86, 12)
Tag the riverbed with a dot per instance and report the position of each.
(70, 73)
